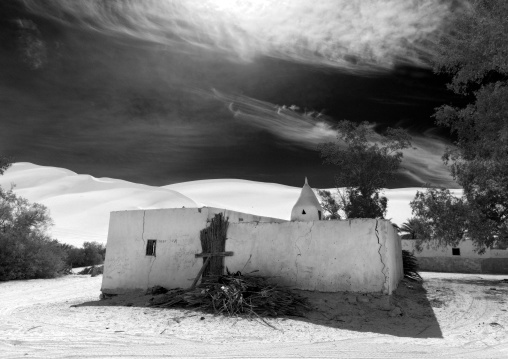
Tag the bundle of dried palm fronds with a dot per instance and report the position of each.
(237, 294)
(213, 240)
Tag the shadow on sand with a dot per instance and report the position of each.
(406, 313)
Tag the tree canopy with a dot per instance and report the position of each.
(26, 250)
(330, 205)
(366, 161)
(475, 53)
(4, 164)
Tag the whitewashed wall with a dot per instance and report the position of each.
(361, 255)
(441, 259)
(354, 255)
(393, 252)
(467, 250)
(127, 267)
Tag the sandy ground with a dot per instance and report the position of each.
(452, 315)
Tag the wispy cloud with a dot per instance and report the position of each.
(424, 164)
(363, 35)
(303, 129)
(421, 164)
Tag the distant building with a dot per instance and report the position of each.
(307, 207)
(460, 259)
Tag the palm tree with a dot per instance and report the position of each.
(410, 228)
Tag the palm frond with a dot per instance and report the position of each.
(410, 265)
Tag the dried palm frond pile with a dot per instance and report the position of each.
(93, 270)
(237, 294)
(410, 265)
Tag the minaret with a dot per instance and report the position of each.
(307, 208)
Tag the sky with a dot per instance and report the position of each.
(165, 91)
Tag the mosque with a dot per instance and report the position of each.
(163, 247)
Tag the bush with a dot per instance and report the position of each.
(26, 251)
(75, 257)
(92, 253)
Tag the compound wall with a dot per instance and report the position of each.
(444, 259)
(362, 255)
(176, 230)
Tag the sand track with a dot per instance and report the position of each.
(452, 315)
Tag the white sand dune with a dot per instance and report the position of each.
(264, 199)
(80, 204)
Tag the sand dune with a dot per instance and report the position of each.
(265, 199)
(80, 204)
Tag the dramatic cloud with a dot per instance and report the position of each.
(350, 35)
(422, 163)
(304, 129)
(123, 88)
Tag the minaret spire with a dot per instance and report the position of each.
(307, 207)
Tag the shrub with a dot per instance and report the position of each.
(92, 253)
(26, 251)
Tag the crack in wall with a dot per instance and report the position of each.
(296, 261)
(143, 232)
(385, 284)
